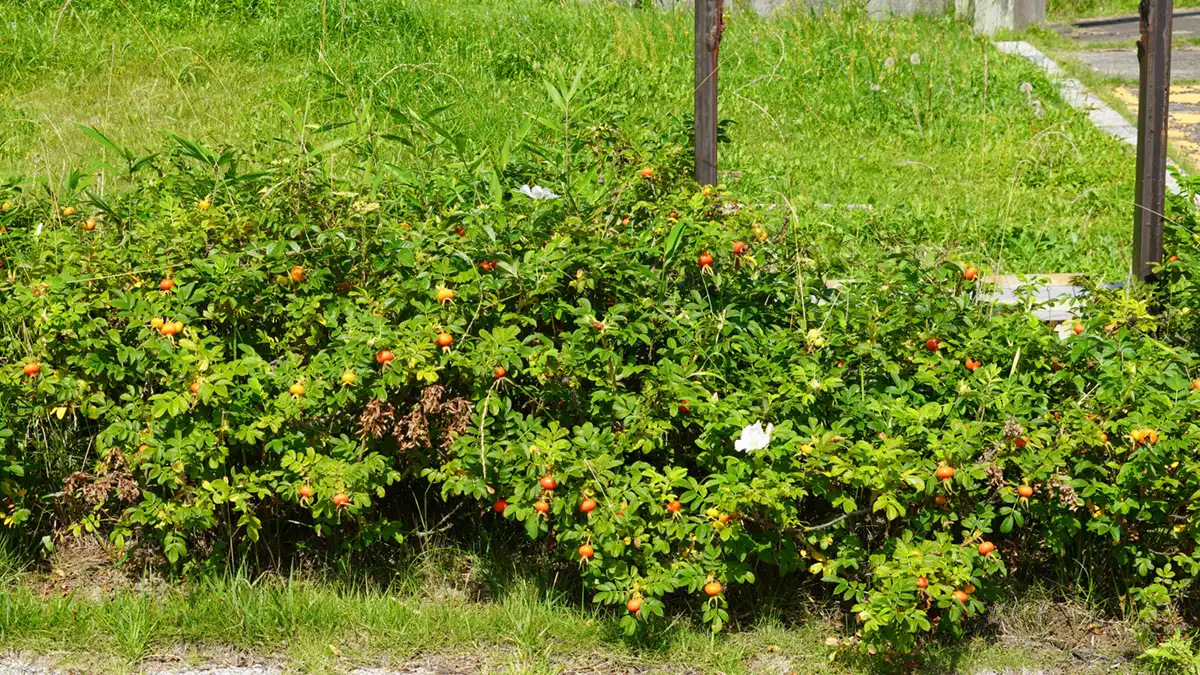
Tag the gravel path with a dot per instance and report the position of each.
(20, 665)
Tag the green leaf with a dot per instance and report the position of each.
(673, 241)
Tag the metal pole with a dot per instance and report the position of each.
(1154, 83)
(709, 25)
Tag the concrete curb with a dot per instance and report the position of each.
(1078, 97)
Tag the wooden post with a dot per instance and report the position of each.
(709, 25)
(1154, 83)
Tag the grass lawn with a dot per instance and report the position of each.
(440, 622)
(921, 120)
(321, 628)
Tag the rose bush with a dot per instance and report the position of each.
(649, 376)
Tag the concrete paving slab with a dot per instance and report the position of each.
(1057, 296)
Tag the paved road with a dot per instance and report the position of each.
(1120, 63)
(1183, 116)
(1184, 24)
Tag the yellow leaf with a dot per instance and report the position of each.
(60, 411)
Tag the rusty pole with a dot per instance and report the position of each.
(1154, 83)
(709, 25)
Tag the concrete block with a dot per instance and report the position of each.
(995, 15)
(882, 9)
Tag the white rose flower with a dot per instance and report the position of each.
(754, 437)
(537, 192)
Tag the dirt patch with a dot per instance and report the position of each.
(1065, 632)
(502, 660)
(82, 566)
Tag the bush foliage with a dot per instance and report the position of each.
(229, 346)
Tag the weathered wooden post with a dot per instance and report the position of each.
(1154, 83)
(709, 25)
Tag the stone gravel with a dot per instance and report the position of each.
(23, 666)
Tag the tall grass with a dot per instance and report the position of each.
(322, 627)
(327, 627)
(821, 110)
(482, 607)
